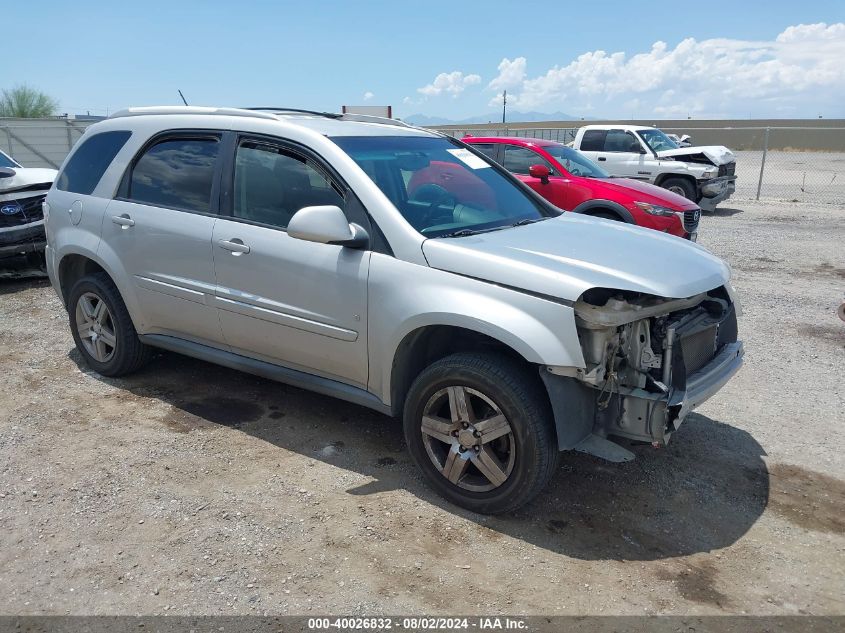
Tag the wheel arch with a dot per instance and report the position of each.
(71, 268)
(661, 178)
(74, 265)
(426, 344)
(591, 207)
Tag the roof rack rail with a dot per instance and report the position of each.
(369, 118)
(181, 109)
(263, 113)
(330, 115)
(360, 118)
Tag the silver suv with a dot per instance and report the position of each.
(391, 267)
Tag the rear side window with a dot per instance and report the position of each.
(88, 163)
(593, 141)
(519, 159)
(621, 141)
(176, 173)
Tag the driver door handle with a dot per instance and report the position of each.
(234, 246)
(124, 221)
(602, 158)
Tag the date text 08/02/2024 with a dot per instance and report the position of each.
(416, 624)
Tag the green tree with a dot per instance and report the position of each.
(26, 103)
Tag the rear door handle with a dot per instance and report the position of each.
(234, 246)
(124, 221)
(602, 158)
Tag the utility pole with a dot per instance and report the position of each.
(504, 104)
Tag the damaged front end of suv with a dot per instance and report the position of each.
(649, 361)
(22, 239)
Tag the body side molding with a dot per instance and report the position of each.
(293, 377)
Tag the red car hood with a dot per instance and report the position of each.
(638, 191)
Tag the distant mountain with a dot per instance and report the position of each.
(493, 117)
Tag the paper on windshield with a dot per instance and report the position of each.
(468, 158)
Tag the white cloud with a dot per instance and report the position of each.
(453, 83)
(368, 95)
(511, 74)
(801, 70)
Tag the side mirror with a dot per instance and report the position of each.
(326, 225)
(642, 150)
(540, 171)
(7, 172)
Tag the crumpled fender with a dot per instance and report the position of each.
(719, 154)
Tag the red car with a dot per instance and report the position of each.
(572, 182)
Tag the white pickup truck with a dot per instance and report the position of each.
(703, 174)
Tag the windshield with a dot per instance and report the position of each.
(439, 186)
(575, 162)
(5, 161)
(657, 140)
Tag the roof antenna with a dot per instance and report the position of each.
(183, 97)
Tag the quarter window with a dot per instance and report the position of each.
(272, 183)
(176, 173)
(90, 161)
(519, 159)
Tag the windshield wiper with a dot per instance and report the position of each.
(461, 233)
(528, 221)
(467, 232)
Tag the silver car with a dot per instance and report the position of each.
(391, 267)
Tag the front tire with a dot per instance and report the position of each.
(479, 427)
(102, 328)
(680, 186)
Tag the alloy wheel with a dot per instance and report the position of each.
(468, 438)
(95, 327)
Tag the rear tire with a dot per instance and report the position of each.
(680, 186)
(479, 426)
(102, 328)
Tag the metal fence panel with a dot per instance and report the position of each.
(39, 142)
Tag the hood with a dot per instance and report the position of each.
(564, 256)
(27, 177)
(718, 154)
(639, 191)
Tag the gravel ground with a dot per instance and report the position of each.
(193, 489)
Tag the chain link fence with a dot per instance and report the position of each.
(802, 164)
(796, 164)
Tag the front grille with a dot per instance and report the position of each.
(691, 219)
(21, 211)
(698, 349)
(727, 170)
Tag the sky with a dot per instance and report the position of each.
(748, 59)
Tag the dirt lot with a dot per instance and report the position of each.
(194, 489)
